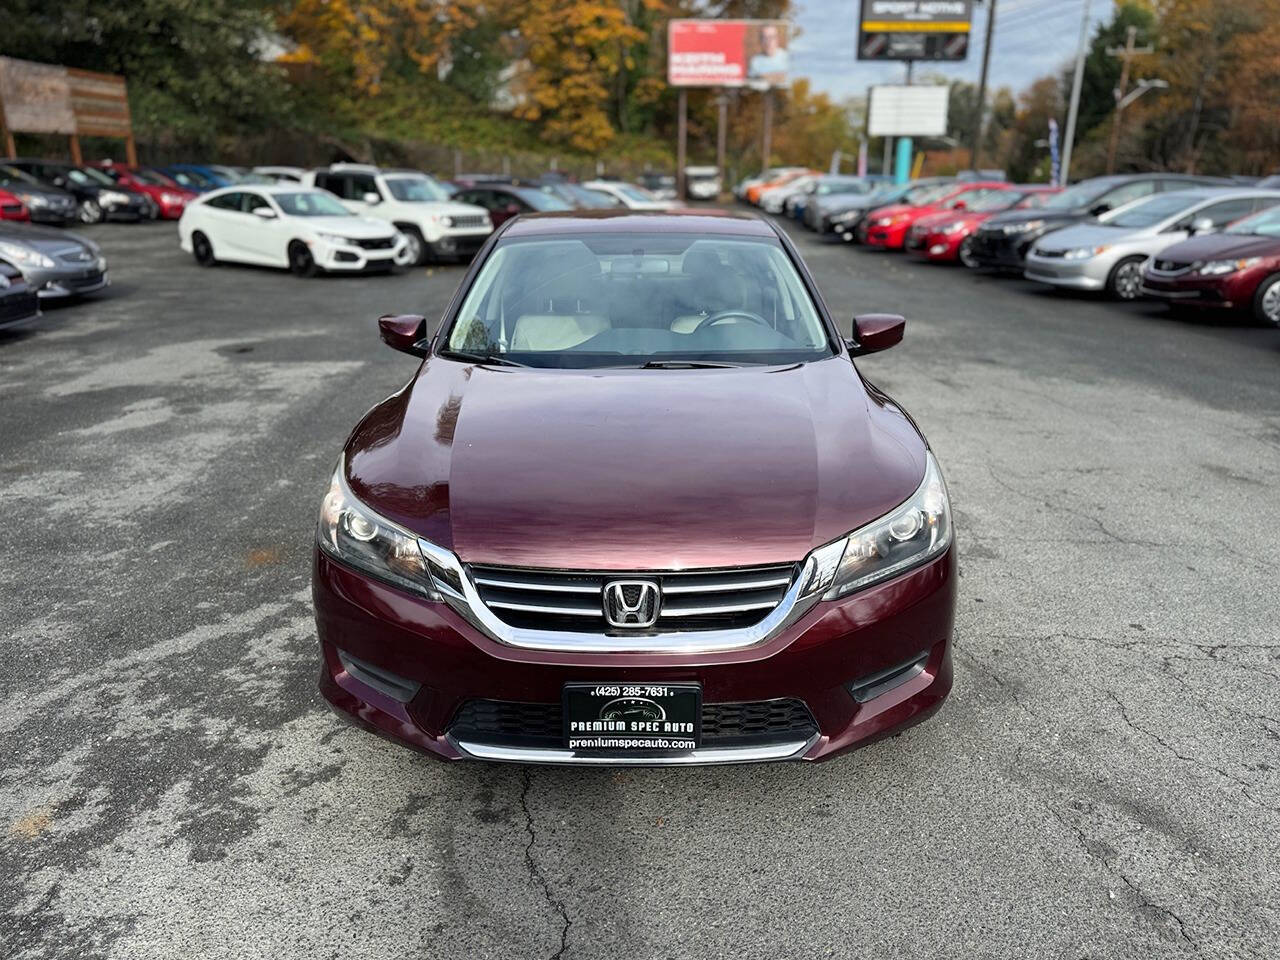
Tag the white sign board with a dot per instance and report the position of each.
(908, 111)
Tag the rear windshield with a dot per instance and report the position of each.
(416, 189)
(598, 300)
(929, 193)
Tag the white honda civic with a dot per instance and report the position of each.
(301, 228)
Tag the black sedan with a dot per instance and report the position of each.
(18, 301)
(46, 204)
(98, 196)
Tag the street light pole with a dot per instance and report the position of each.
(1125, 53)
(1069, 139)
(976, 142)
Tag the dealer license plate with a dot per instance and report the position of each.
(632, 718)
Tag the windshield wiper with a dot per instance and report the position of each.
(685, 365)
(480, 358)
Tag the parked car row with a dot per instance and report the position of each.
(1190, 241)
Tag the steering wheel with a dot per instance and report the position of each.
(733, 313)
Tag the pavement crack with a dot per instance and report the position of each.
(535, 871)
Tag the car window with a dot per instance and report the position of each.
(252, 201)
(530, 199)
(1228, 211)
(337, 184)
(359, 184)
(416, 188)
(1128, 193)
(226, 201)
(1264, 224)
(622, 300)
(1151, 211)
(480, 198)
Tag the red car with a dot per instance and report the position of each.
(169, 198)
(947, 237)
(636, 506)
(11, 208)
(887, 227)
(1237, 269)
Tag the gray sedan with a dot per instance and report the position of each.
(1107, 255)
(55, 263)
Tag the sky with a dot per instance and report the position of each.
(1032, 38)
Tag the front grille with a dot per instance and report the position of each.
(385, 243)
(11, 209)
(469, 221)
(691, 600)
(509, 723)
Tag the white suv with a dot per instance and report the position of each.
(418, 206)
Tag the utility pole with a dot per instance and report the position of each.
(766, 147)
(976, 143)
(1125, 54)
(722, 103)
(682, 140)
(1069, 140)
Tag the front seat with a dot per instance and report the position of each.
(558, 318)
(714, 286)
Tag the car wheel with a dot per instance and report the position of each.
(90, 211)
(1125, 280)
(301, 262)
(202, 250)
(416, 248)
(966, 253)
(1266, 302)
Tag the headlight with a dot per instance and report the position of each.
(334, 238)
(112, 196)
(954, 227)
(847, 217)
(1026, 226)
(25, 255)
(33, 199)
(171, 198)
(1216, 268)
(353, 534)
(882, 221)
(1084, 253)
(908, 536)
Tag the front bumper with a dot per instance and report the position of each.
(999, 251)
(892, 237)
(405, 668)
(351, 258)
(59, 283)
(1227, 291)
(460, 244)
(1087, 275)
(939, 247)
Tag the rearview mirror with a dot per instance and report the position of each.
(404, 333)
(873, 332)
(372, 197)
(264, 213)
(1201, 225)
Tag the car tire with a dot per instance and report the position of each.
(418, 249)
(1266, 302)
(202, 250)
(965, 254)
(91, 211)
(301, 262)
(1125, 280)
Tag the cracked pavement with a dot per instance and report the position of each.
(1102, 783)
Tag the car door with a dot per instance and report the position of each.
(1125, 193)
(264, 239)
(1222, 213)
(339, 184)
(489, 199)
(359, 186)
(223, 224)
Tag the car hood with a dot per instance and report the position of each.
(1222, 246)
(935, 220)
(47, 240)
(359, 228)
(1053, 219)
(39, 189)
(634, 469)
(1087, 235)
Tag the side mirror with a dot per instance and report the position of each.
(959, 205)
(1201, 225)
(404, 333)
(371, 198)
(873, 332)
(1098, 209)
(264, 213)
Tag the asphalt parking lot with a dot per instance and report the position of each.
(1102, 783)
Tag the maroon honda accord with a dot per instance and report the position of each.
(636, 506)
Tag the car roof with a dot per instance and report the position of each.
(1219, 193)
(724, 223)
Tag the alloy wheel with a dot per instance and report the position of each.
(300, 260)
(966, 253)
(413, 248)
(1128, 280)
(1271, 303)
(202, 250)
(90, 212)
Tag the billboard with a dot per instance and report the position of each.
(894, 111)
(914, 29)
(42, 98)
(728, 53)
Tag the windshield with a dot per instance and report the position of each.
(191, 178)
(1264, 224)
(842, 186)
(601, 300)
(1081, 195)
(311, 203)
(87, 176)
(541, 200)
(416, 189)
(639, 194)
(995, 200)
(10, 174)
(580, 196)
(918, 196)
(1152, 210)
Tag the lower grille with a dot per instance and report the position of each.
(380, 244)
(80, 283)
(574, 602)
(513, 724)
